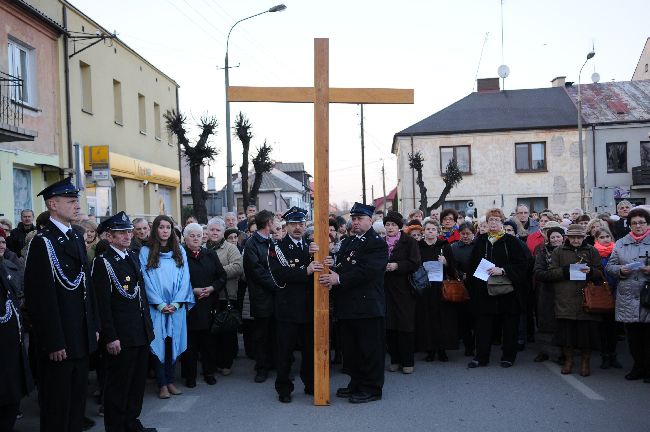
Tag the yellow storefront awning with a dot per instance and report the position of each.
(127, 167)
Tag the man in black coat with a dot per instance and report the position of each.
(14, 371)
(621, 228)
(126, 326)
(61, 304)
(16, 240)
(292, 271)
(260, 289)
(360, 305)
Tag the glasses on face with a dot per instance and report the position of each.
(448, 218)
(639, 223)
(494, 220)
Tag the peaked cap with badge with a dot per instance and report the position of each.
(359, 209)
(61, 188)
(117, 222)
(295, 214)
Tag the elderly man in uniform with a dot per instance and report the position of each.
(126, 326)
(62, 306)
(292, 273)
(360, 305)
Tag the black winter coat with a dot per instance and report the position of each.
(261, 287)
(508, 253)
(16, 239)
(294, 300)
(361, 263)
(400, 300)
(14, 370)
(206, 270)
(62, 318)
(124, 319)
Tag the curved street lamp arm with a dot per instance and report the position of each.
(233, 26)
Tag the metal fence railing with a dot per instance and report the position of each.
(11, 110)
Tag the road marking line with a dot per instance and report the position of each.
(575, 383)
(180, 404)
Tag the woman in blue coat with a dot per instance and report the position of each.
(167, 283)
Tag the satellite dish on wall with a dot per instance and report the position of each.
(503, 71)
(595, 77)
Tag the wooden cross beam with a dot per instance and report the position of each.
(321, 95)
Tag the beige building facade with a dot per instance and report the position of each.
(116, 99)
(493, 179)
(642, 71)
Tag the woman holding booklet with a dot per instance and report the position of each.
(497, 289)
(572, 265)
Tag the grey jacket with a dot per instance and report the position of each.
(628, 307)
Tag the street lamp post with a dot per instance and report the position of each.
(230, 195)
(590, 55)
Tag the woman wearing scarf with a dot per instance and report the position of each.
(403, 259)
(604, 244)
(449, 230)
(632, 278)
(207, 278)
(167, 282)
(436, 320)
(505, 298)
(553, 235)
(576, 328)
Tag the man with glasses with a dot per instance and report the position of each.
(523, 215)
(621, 228)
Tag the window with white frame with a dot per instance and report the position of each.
(22, 66)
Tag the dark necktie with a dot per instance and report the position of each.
(299, 245)
(68, 234)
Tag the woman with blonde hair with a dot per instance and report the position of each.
(502, 297)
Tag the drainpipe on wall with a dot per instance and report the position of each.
(66, 74)
(180, 167)
(593, 154)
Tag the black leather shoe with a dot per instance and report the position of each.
(189, 383)
(87, 424)
(442, 356)
(506, 364)
(540, 357)
(138, 427)
(344, 392)
(363, 397)
(261, 376)
(285, 398)
(210, 380)
(635, 374)
(606, 361)
(475, 363)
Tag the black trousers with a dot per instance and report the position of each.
(227, 344)
(401, 347)
(247, 333)
(466, 326)
(484, 335)
(8, 416)
(608, 329)
(126, 376)
(638, 339)
(62, 392)
(199, 342)
(287, 336)
(262, 343)
(364, 345)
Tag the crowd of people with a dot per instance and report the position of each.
(129, 299)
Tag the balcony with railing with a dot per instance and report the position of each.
(12, 111)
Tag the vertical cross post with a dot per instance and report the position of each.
(321, 208)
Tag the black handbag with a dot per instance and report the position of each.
(644, 296)
(419, 280)
(227, 320)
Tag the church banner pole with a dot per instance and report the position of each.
(321, 227)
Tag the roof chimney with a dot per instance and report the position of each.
(558, 81)
(487, 85)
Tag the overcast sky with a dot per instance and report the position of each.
(430, 46)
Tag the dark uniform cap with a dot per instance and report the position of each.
(117, 222)
(295, 214)
(359, 209)
(60, 188)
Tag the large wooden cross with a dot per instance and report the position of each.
(321, 95)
